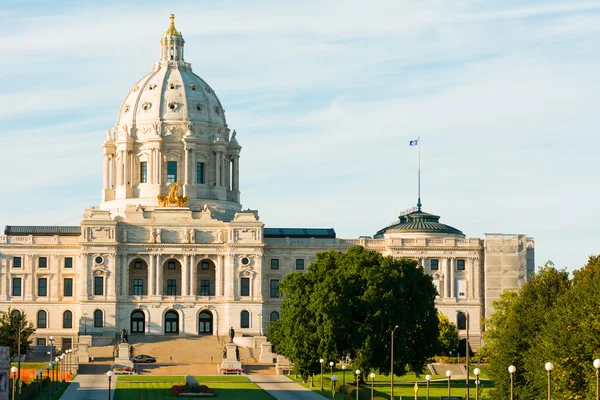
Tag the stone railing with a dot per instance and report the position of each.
(373, 243)
(39, 240)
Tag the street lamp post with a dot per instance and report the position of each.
(51, 340)
(476, 371)
(321, 361)
(357, 379)
(109, 374)
(372, 376)
(449, 375)
(392, 364)
(53, 363)
(331, 364)
(467, 351)
(37, 380)
(49, 379)
(344, 382)
(62, 367)
(14, 373)
(597, 366)
(549, 367)
(511, 370)
(334, 379)
(428, 379)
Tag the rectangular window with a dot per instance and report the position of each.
(274, 288)
(98, 286)
(67, 343)
(68, 262)
(171, 171)
(39, 341)
(171, 265)
(16, 286)
(43, 262)
(138, 287)
(200, 172)
(171, 287)
(138, 265)
(205, 287)
(435, 264)
(17, 262)
(68, 287)
(274, 263)
(461, 289)
(143, 172)
(205, 264)
(299, 264)
(245, 287)
(42, 286)
(460, 265)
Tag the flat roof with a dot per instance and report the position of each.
(14, 230)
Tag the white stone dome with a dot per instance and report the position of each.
(171, 131)
(171, 93)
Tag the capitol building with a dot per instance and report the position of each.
(169, 250)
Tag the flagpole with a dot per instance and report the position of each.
(419, 180)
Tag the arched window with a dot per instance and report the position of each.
(98, 319)
(274, 316)
(42, 319)
(245, 319)
(67, 319)
(461, 321)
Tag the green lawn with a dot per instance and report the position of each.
(159, 387)
(403, 386)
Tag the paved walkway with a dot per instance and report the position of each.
(282, 388)
(88, 387)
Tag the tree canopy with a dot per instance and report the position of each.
(550, 319)
(9, 332)
(449, 337)
(347, 304)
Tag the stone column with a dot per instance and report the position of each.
(218, 168)
(124, 276)
(186, 167)
(185, 275)
(84, 281)
(113, 165)
(159, 277)
(151, 269)
(219, 277)
(106, 171)
(194, 282)
(236, 173)
(452, 279)
(228, 277)
(126, 179)
(447, 278)
(477, 278)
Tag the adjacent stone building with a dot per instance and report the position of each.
(169, 250)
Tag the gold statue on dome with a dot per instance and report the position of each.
(173, 199)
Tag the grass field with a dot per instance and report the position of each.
(159, 387)
(403, 386)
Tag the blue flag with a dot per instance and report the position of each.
(414, 142)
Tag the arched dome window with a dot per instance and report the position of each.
(245, 319)
(42, 319)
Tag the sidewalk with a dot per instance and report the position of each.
(283, 388)
(88, 387)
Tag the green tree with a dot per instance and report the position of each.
(570, 339)
(448, 338)
(10, 324)
(513, 330)
(347, 304)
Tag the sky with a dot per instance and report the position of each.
(325, 96)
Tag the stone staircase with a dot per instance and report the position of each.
(458, 370)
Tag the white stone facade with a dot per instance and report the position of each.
(208, 266)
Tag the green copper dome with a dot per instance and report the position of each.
(418, 222)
